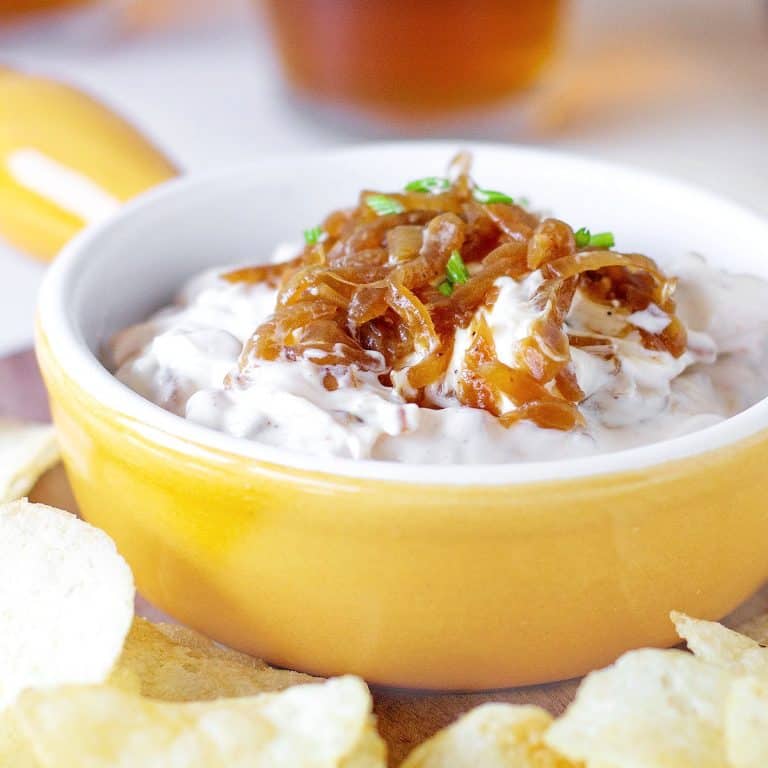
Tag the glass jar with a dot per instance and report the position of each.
(413, 57)
(13, 10)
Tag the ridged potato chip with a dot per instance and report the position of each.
(66, 601)
(174, 663)
(651, 709)
(491, 736)
(26, 452)
(326, 725)
(717, 644)
(746, 723)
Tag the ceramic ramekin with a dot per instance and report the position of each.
(441, 577)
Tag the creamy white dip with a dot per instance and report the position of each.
(185, 359)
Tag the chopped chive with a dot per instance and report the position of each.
(313, 235)
(491, 196)
(456, 270)
(383, 205)
(428, 184)
(445, 288)
(584, 237)
(602, 240)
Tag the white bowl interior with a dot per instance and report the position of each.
(118, 272)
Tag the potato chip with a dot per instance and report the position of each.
(15, 749)
(651, 709)
(125, 679)
(491, 736)
(746, 723)
(26, 452)
(66, 601)
(719, 645)
(174, 663)
(312, 726)
(756, 628)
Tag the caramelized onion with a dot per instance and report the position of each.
(372, 294)
(271, 274)
(404, 242)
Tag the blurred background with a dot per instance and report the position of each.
(676, 86)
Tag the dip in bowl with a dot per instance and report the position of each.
(418, 567)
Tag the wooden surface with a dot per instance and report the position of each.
(405, 718)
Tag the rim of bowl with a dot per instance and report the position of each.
(73, 354)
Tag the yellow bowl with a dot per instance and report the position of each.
(428, 576)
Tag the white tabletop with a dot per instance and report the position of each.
(681, 88)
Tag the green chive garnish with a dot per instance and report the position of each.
(584, 237)
(491, 196)
(313, 235)
(456, 270)
(602, 240)
(428, 184)
(383, 205)
(445, 288)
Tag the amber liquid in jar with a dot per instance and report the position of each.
(16, 9)
(413, 56)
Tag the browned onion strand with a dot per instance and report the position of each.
(368, 292)
(263, 273)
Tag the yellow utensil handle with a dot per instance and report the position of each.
(66, 160)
